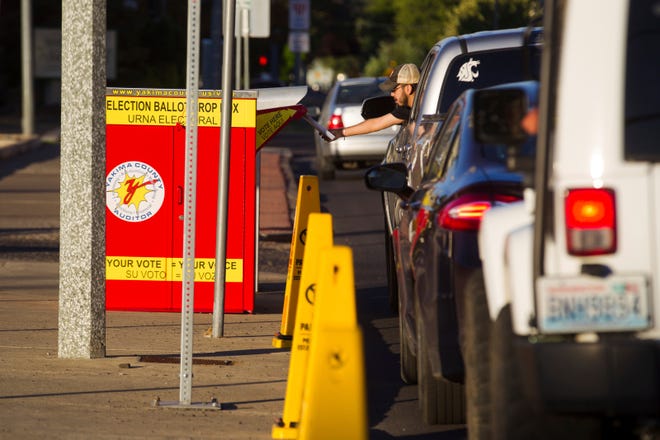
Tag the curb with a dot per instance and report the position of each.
(291, 192)
(283, 234)
(9, 149)
(14, 144)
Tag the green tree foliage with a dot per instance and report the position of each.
(424, 22)
(415, 26)
(334, 40)
(375, 26)
(151, 43)
(475, 15)
(389, 55)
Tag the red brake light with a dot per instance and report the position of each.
(590, 221)
(466, 212)
(335, 122)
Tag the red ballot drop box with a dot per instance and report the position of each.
(145, 175)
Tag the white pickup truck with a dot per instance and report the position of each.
(563, 333)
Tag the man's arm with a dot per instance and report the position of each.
(368, 126)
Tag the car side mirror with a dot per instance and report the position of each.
(377, 106)
(390, 177)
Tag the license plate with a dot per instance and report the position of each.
(591, 304)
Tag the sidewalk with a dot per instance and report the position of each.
(42, 396)
(13, 144)
(275, 207)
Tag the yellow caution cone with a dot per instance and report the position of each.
(319, 238)
(308, 201)
(334, 400)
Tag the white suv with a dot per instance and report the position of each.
(565, 319)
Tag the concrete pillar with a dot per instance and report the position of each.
(82, 190)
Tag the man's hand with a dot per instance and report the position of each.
(335, 132)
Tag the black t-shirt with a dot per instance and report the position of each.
(402, 112)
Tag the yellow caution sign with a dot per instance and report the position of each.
(308, 201)
(271, 121)
(334, 401)
(319, 238)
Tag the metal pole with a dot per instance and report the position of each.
(188, 280)
(238, 63)
(223, 175)
(297, 64)
(256, 221)
(245, 33)
(216, 37)
(26, 49)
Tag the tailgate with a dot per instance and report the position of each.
(612, 292)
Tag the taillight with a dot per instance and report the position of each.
(465, 213)
(590, 221)
(335, 122)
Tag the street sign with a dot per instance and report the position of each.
(299, 15)
(299, 41)
(259, 12)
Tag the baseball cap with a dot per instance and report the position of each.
(402, 74)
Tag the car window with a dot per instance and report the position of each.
(642, 102)
(477, 70)
(421, 87)
(357, 93)
(498, 153)
(438, 150)
(491, 153)
(454, 150)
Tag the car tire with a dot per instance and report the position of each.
(326, 169)
(390, 266)
(328, 174)
(513, 415)
(441, 401)
(407, 358)
(475, 347)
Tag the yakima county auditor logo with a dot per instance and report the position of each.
(134, 191)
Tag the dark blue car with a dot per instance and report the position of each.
(435, 243)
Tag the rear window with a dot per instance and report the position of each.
(356, 93)
(642, 118)
(498, 153)
(477, 70)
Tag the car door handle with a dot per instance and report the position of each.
(401, 149)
